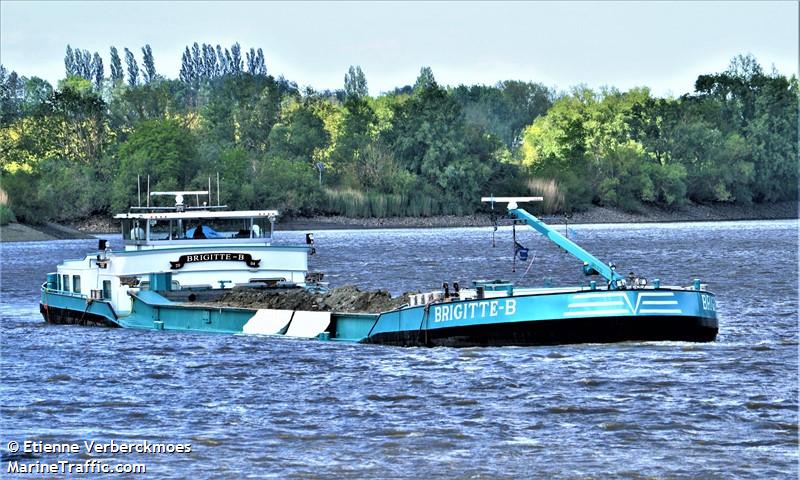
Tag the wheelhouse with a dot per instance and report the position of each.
(184, 228)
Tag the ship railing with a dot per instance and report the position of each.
(63, 292)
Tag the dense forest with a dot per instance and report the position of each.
(75, 149)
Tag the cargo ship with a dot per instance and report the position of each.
(175, 257)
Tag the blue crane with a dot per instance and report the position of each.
(591, 264)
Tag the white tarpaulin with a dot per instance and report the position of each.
(308, 324)
(268, 322)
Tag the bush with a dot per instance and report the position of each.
(289, 185)
(22, 188)
(6, 215)
(165, 149)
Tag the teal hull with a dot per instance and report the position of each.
(560, 317)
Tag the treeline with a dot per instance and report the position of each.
(76, 150)
(733, 140)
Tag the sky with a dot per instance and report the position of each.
(662, 45)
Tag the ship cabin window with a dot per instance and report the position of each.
(195, 229)
(76, 283)
(65, 282)
(134, 230)
(107, 289)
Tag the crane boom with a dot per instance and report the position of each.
(590, 261)
(591, 264)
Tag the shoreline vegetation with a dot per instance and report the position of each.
(421, 154)
(87, 228)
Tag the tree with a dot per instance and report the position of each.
(773, 139)
(197, 62)
(429, 139)
(69, 62)
(210, 61)
(221, 61)
(133, 68)
(164, 149)
(228, 63)
(300, 136)
(235, 66)
(98, 72)
(187, 73)
(78, 63)
(356, 133)
(255, 62)
(10, 96)
(149, 72)
(261, 67)
(584, 144)
(425, 80)
(116, 67)
(79, 111)
(290, 186)
(250, 60)
(761, 109)
(37, 92)
(87, 70)
(355, 83)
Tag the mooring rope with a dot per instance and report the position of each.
(88, 304)
(530, 264)
(46, 306)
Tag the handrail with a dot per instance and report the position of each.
(63, 292)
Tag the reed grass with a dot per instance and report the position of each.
(547, 188)
(357, 204)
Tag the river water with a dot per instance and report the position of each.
(262, 407)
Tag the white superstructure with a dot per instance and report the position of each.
(200, 248)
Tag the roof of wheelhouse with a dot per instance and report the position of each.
(196, 214)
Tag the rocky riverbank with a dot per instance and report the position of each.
(18, 232)
(688, 213)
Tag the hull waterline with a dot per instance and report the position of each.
(528, 320)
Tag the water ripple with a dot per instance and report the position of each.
(266, 408)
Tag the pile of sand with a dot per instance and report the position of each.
(347, 299)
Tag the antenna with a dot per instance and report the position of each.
(512, 201)
(139, 189)
(148, 190)
(209, 190)
(218, 189)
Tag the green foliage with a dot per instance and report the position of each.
(355, 83)
(149, 72)
(163, 149)
(133, 68)
(236, 167)
(288, 185)
(301, 135)
(429, 138)
(6, 215)
(734, 140)
(505, 109)
(21, 187)
(424, 150)
(116, 67)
